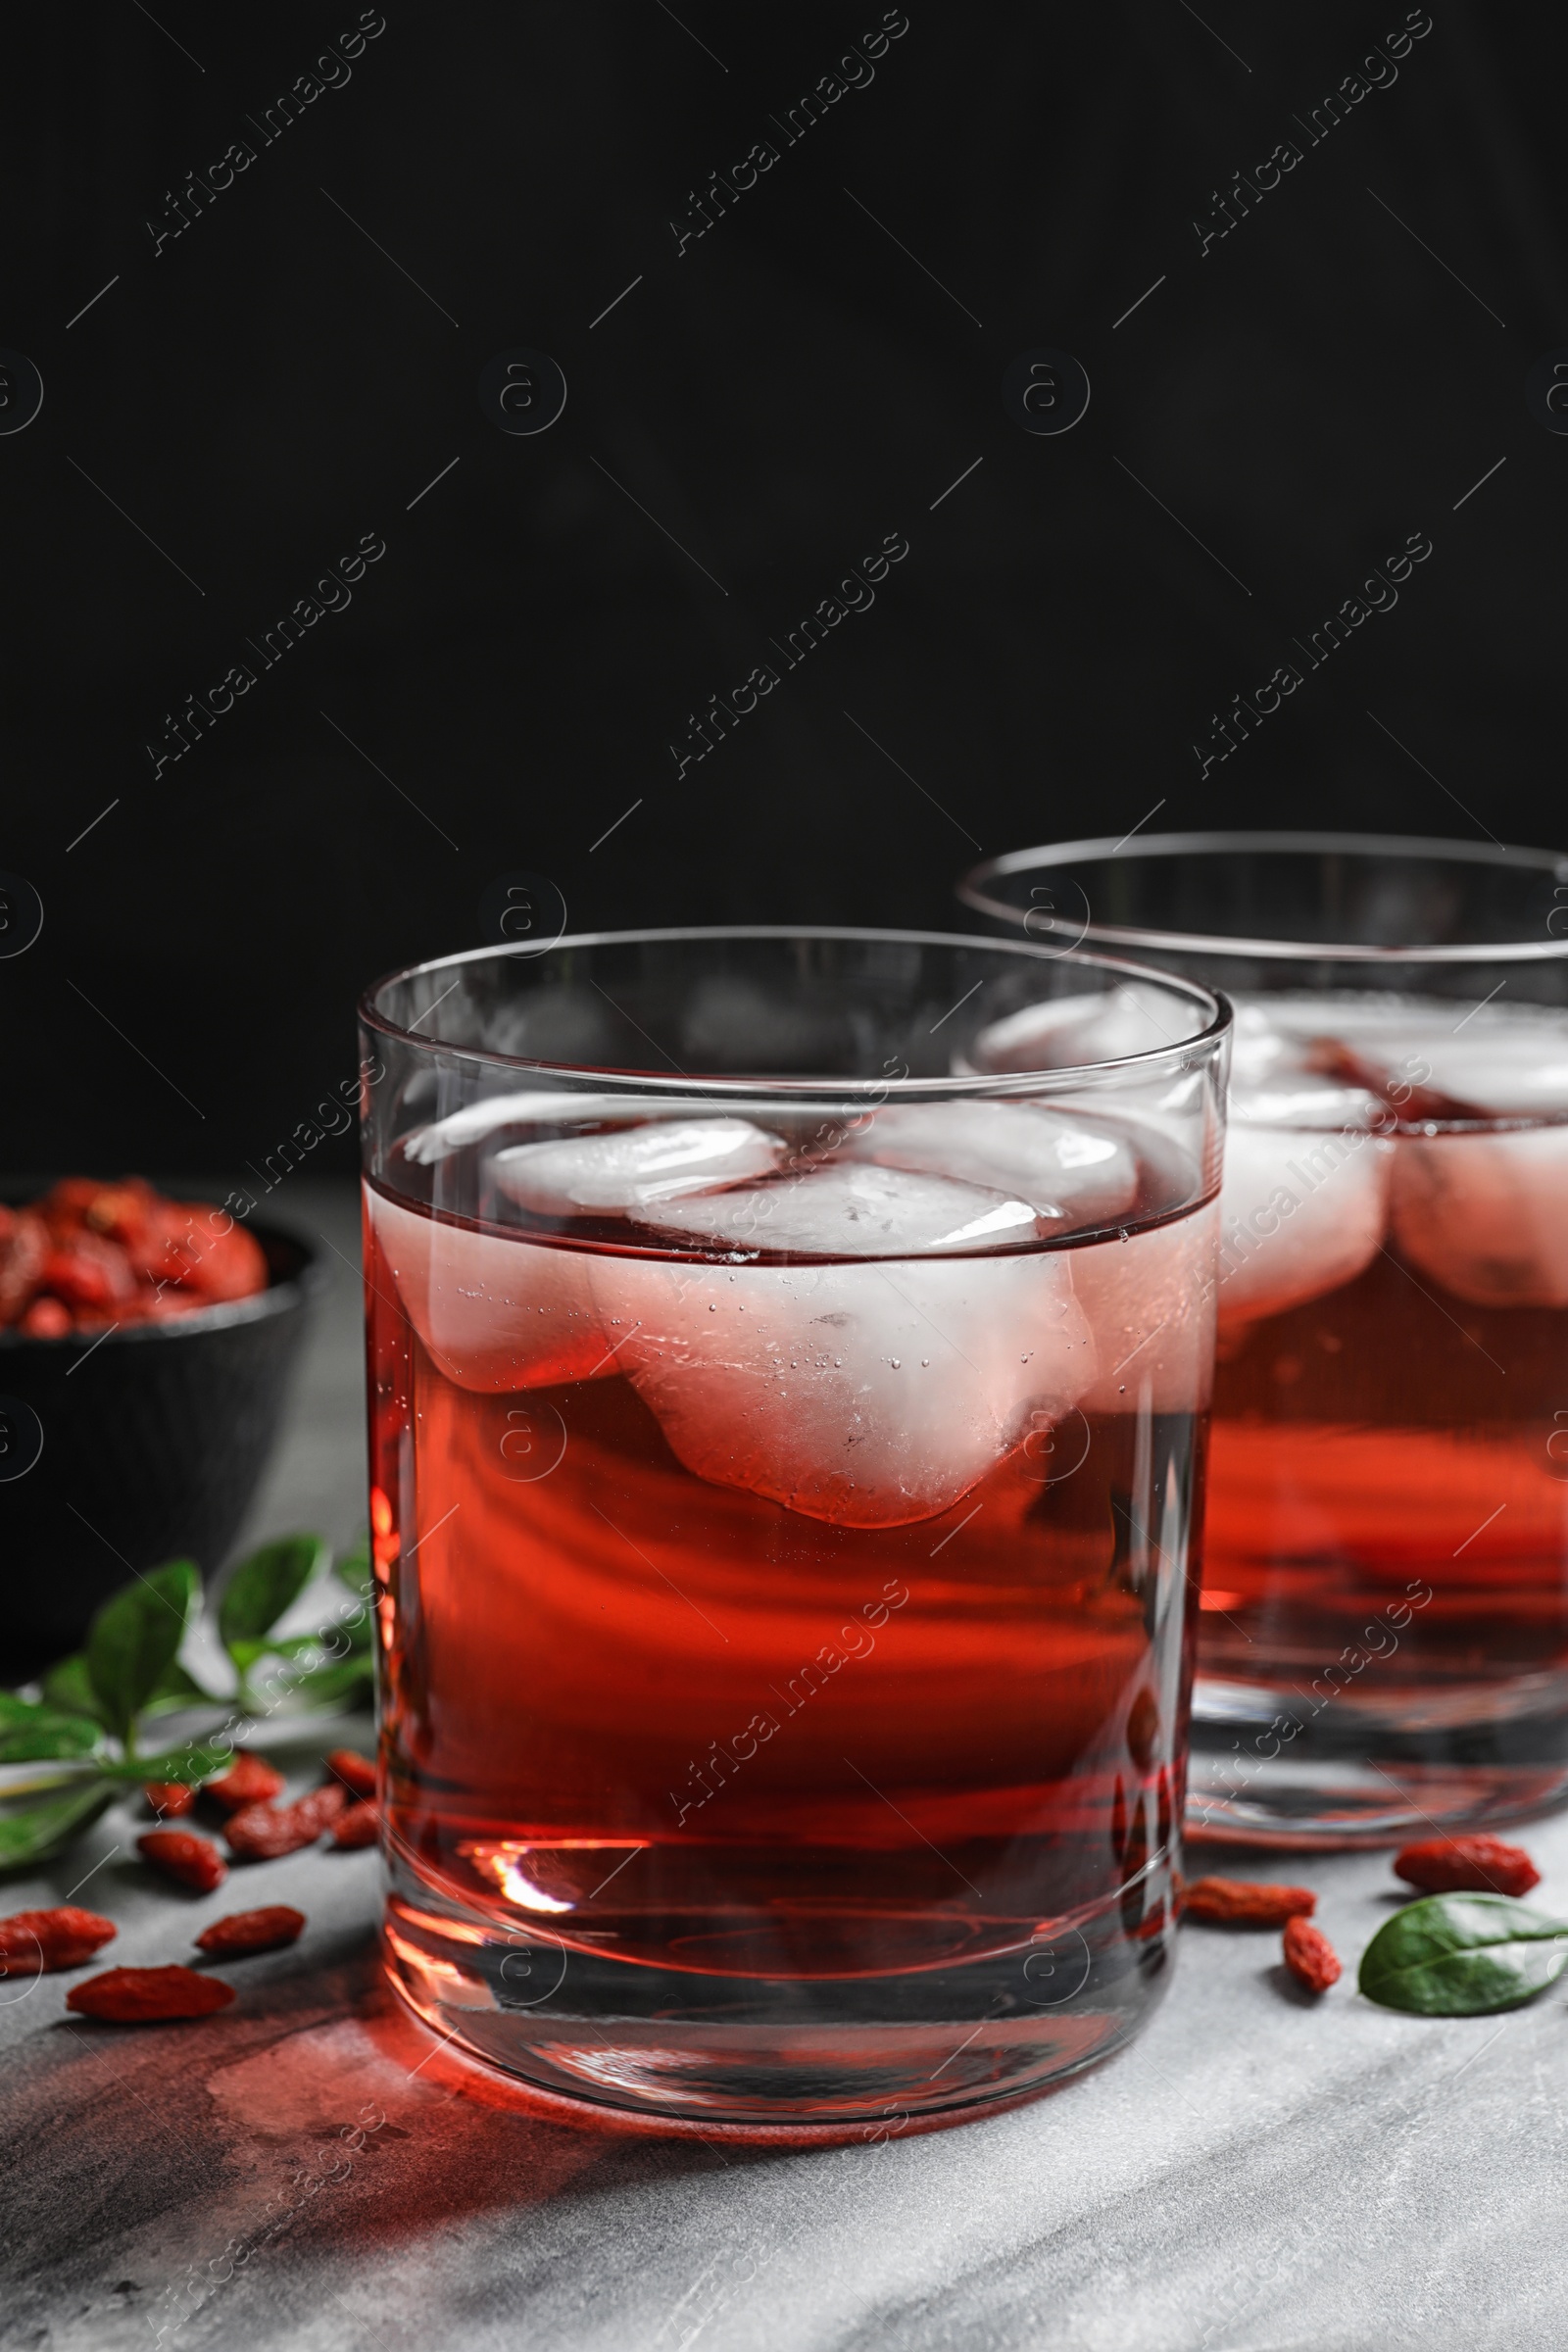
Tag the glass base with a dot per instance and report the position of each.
(866, 2053)
(1465, 1756)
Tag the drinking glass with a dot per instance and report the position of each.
(787, 1427)
(1384, 1621)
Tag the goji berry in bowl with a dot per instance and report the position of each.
(152, 1341)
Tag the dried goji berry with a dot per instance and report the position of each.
(181, 1854)
(263, 1832)
(121, 1212)
(1310, 1956)
(46, 1319)
(198, 1259)
(136, 1996)
(23, 1246)
(63, 1208)
(86, 1271)
(252, 1930)
(361, 1825)
(355, 1772)
(171, 1798)
(249, 1781)
(64, 1938)
(1247, 1903)
(1458, 1865)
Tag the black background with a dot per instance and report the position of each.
(780, 395)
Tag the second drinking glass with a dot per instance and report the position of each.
(1385, 1628)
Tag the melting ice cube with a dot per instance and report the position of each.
(1304, 1201)
(869, 1395)
(1504, 1066)
(851, 1211)
(1487, 1215)
(1492, 1059)
(1066, 1171)
(1149, 1302)
(622, 1174)
(494, 1313)
(1136, 1017)
(538, 1106)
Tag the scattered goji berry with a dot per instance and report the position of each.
(261, 1833)
(1460, 1865)
(136, 1996)
(1310, 1956)
(355, 1772)
(361, 1825)
(181, 1854)
(252, 1930)
(171, 1798)
(1247, 1903)
(64, 1938)
(249, 1781)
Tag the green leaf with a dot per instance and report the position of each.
(354, 1568)
(178, 1687)
(194, 1761)
(359, 1634)
(135, 1640)
(1463, 1955)
(31, 1733)
(265, 1587)
(67, 1686)
(32, 1833)
(335, 1681)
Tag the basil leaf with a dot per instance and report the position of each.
(178, 1687)
(30, 1733)
(263, 1587)
(67, 1686)
(1463, 1955)
(335, 1681)
(135, 1640)
(360, 1631)
(33, 1833)
(195, 1761)
(354, 1568)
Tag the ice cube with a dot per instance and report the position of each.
(870, 1395)
(493, 1313)
(841, 1210)
(1302, 1210)
(1485, 1216)
(1135, 1017)
(538, 1106)
(1424, 1054)
(1501, 1069)
(1150, 1303)
(1262, 1051)
(1067, 1171)
(614, 1175)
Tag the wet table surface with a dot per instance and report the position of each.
(312, 2169)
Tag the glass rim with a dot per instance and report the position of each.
(973, 892)
(1207, 1040)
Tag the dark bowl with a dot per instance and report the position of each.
(154, 1442)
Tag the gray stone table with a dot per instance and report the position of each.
(1257, 2172)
